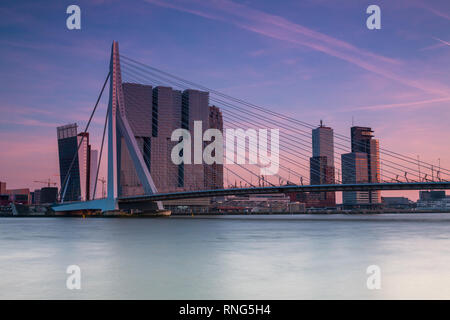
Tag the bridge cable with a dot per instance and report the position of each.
(82, 137)
(339, 136)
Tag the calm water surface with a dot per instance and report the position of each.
(231, 257)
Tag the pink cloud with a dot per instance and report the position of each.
(442, 41)
(421, 103)
(437, 12)
(282, 29)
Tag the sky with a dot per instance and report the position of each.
(311, 59)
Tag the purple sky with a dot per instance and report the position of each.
(312, 59)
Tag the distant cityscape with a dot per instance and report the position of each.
(155, 112)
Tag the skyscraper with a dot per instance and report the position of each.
(67, 148)
(139, 111)
(321, 164)
(214, 172)
(77, 186)
(167, 118)
(323, 143)
(154, 113)
(195, 107)
(355, 170)
(362, 142)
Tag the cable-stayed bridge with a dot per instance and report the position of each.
(390, 170)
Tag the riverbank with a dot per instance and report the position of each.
(187, 214)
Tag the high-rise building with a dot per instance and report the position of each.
(362, 141)
(154, 113)
(67, 148)
(194, 107)
(321, 164)
(166, 118)
(323, 143)
(320, 172)
(138, 110)
(362, 165)
(77, 186)
(355, 170)
(214, 172)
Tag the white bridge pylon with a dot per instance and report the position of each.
(118, 127)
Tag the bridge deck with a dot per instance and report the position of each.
(290, 188)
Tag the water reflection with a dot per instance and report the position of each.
(270, 257)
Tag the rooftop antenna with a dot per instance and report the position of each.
(353, 121)
(321, 123)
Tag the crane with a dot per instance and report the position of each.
(102, 180)
(46, 182)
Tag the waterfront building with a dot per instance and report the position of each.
(433, 200)
(167, 105)
(397, 202)
(323, 143)
(262, 203)
(194, 107)
(355, 170)
(138, 110)
(48, 195)
(21, 196)
(431, 195)
(154, 113)
(362, 141)
(214, 172)
(321, 166)
(77, 186)
(36, 197)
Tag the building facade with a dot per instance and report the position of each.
(138, 110)
(20, 196)
(154, 113)
(362, 141)
(194, 107)
(67, 148)
(355, 170)
(321, 165)
(78, 185)
(214, 172)
(323, 143)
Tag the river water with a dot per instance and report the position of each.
(227, 257)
